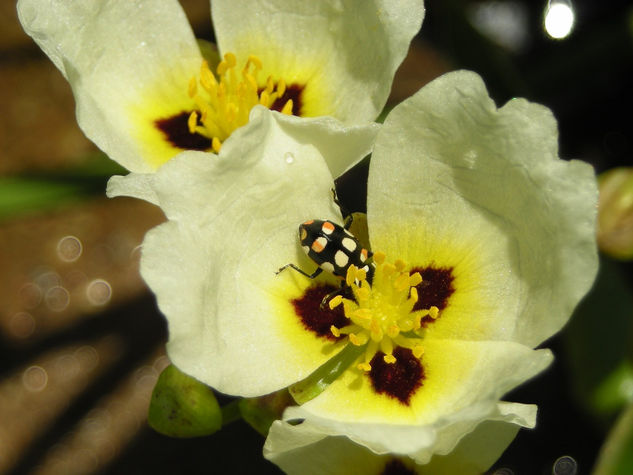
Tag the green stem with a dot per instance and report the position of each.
(230, 412)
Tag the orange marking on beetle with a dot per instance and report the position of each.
(319, 244)
(308, 222)
(327, 227)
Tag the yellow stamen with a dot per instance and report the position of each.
(358, 340)
(224, 100)
(255, 61)
(192, 122)
(415, 279)
(193, 87)
(287, 108)
(364, 367)
(381, 313)
(413, 297)
(335, 301)
(379, 257)
(281, 88)
(216, 145)
(390, 359)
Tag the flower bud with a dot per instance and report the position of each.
(615, 213)
(181, 406)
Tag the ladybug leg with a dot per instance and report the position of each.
(341, 290)
(344, 212)
(300, 271)
(348, 221)
(327, 298)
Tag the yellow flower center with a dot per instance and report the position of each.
(381, 314)
(224, 103)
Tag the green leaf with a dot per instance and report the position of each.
(616, 455)
(181, 406)
(323, 376)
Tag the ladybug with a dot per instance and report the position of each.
(333, 248)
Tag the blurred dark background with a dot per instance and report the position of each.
(81, 341)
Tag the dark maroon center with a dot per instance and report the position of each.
(434, 290)
(176, 130)
(293, 92)
(398, 380)
(396, 467)
(315, 319)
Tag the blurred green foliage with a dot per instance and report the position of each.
(43, 192)
(599, 344)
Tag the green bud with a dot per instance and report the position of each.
(615, 213)
(181, 406)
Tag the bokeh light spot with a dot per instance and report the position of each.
(22, 325)
(69, 249)
(57, 298)
(35, 378)
(99, 292)
(559, 20)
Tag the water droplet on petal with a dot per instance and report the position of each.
(289, 157)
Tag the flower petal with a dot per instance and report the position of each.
(129, 64)
(232, 225)
(470, 446)
(303, 449)
(457, 375)
(343, 54)
(484, 191)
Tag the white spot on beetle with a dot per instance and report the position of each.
(327, 266)
(341, 259)
(349, 244)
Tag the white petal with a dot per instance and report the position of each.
(233, 224)
(338, 145)
(128, 62)
(303, 450)
(450, 172)
(323, 446)
(136, 185)
(476, 451)
(458, 375)
(344, 53)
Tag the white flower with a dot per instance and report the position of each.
(232, 220)
(492, 242)
(144, 93)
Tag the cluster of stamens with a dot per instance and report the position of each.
(381, 314)
(224, 102)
